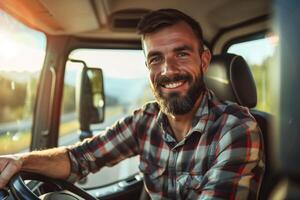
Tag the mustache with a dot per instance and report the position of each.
(162, 80)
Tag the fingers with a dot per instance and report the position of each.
(8, 167)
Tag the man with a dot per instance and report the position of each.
(190, 144)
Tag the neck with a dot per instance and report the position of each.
(181, 124)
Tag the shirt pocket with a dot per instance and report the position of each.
(151, 169)
(190, 185)
(195, 182)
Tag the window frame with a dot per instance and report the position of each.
(244, 38)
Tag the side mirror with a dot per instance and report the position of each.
(90, 97)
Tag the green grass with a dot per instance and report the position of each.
(13, 143)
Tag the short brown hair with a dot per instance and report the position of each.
(162, 18)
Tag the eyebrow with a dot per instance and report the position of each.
(183, 48)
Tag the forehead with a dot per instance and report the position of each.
(169, 38)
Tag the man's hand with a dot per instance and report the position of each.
(9, 165)
(54, 163)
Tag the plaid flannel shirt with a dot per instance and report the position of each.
(221, 157)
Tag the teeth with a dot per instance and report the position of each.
(173, 85)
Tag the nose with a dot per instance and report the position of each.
(169, 66)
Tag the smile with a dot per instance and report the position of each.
(173, 85)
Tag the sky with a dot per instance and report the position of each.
(125, 64)
(255, 52)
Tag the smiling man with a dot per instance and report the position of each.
(191, 145)
(176, 61)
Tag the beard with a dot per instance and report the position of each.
(175, 103)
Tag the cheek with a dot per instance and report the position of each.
(153, 74)
(197, 69)
(151, 78)
(194, 69)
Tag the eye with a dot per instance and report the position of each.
(155, 60)
(182, 54)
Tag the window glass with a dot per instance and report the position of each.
(259, 54)
(126, 89)
(22, 52)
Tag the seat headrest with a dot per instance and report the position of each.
(230, 78)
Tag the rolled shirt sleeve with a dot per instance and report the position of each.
(105, 149)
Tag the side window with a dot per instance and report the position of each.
(126, 89)
(259, 54)
(22, 52)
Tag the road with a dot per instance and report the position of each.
(25, 125)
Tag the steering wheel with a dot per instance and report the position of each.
(67, 191)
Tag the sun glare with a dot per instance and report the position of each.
(21, 49)
(8, 48)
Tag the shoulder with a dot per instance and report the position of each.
(150, 108)
(228, 115)
(233, 126)
(140, 115)
(228, 108)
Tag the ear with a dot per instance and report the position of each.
(205, 60)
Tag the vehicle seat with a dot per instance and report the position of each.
(230, 78)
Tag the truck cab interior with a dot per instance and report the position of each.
(49, 50)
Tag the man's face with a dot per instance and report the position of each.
(176, 67)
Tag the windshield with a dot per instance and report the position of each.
(22, 52)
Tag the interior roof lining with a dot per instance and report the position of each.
(238, 25)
